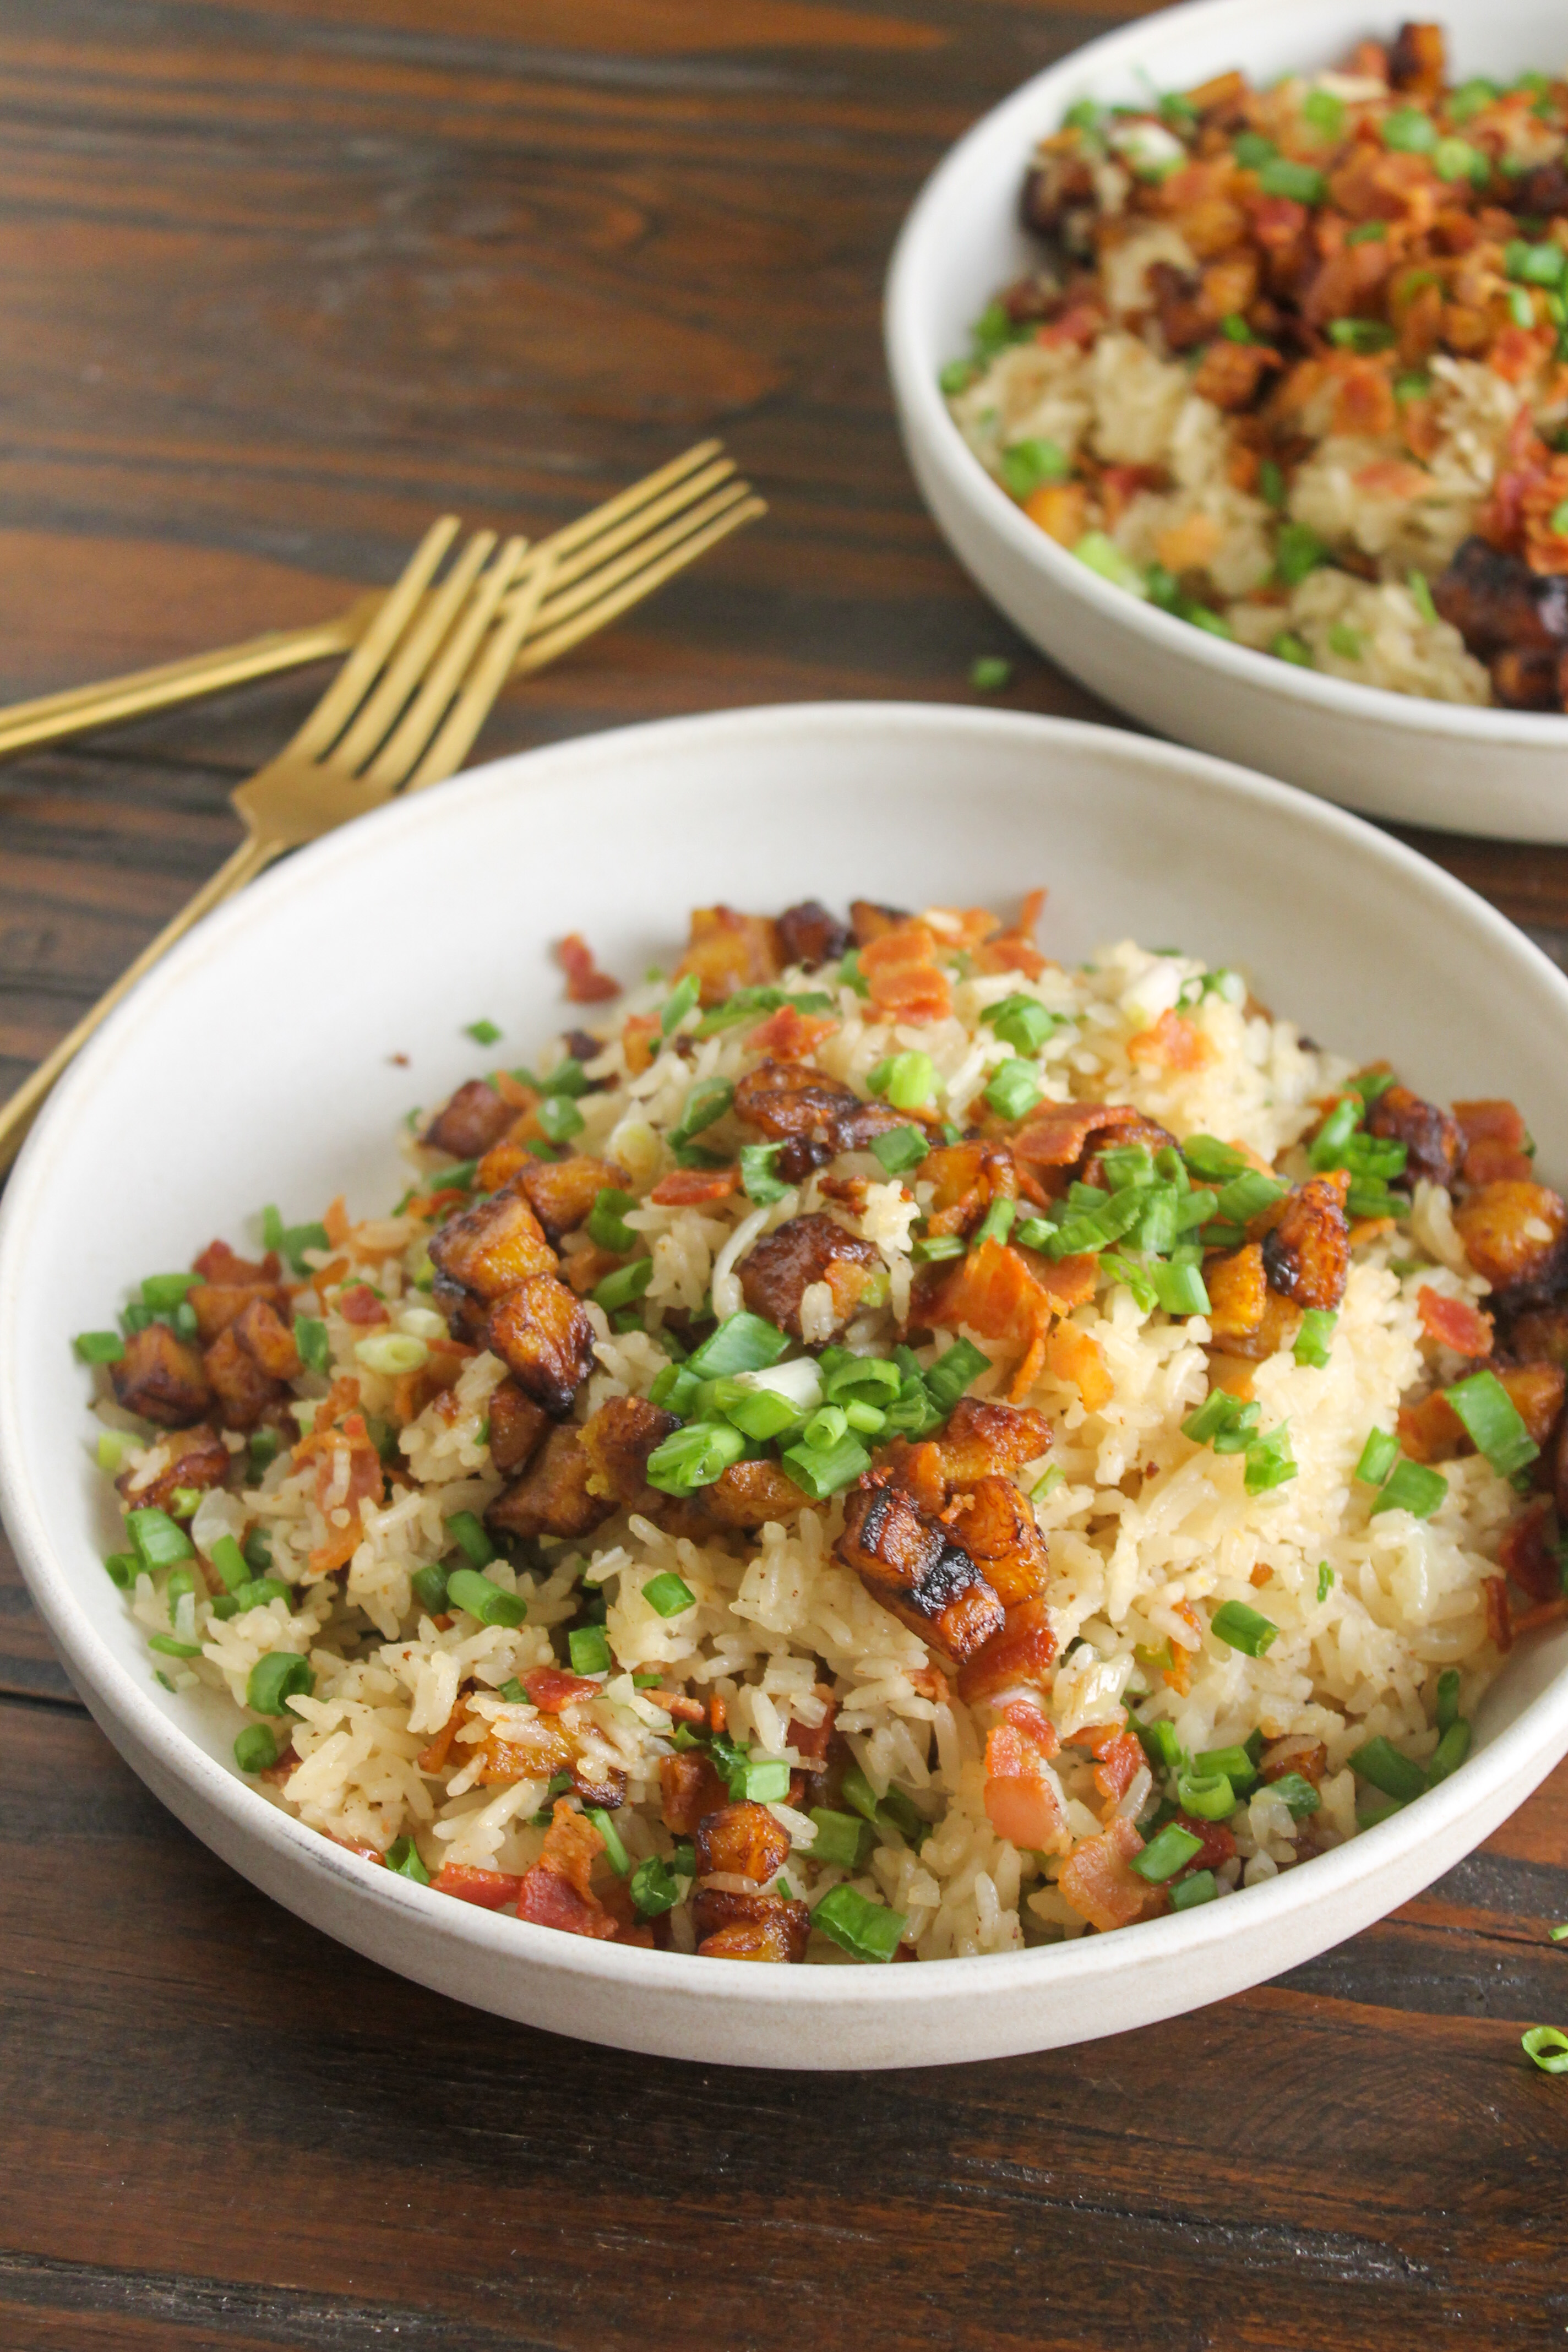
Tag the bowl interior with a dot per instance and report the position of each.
(265, 1061)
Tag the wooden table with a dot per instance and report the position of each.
(279, 281)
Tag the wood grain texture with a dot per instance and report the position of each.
(281, 279)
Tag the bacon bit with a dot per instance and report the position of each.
(676, 1705)
(492, 1890)
(1099, 1880)
(1391, 478)
(962, 926)
(1517, 352)
(1023, 1651)
(1495, 1135)
(1215, 1843)
(1549, 1613)
(1490, 1162)
(1022, 1803)
(434, 1757)
(358, 1304)
(1079, 324)
(364, 1480)
(929, 1681)
(1061, 510)
(1067, 1282)
(340, 1399)
(1187, 546)
(992, 1290)
(1173, 1041)
(1526, 1555)
(1430, 1431)
(551, 1688)
(279, 1774)
(356, 1845)
(790, 1033)
(546, 1899)
(901, 977)
(1014, 951)
(1072, 1356)
(429, 1205)
(639, 1041)
(585, 983)
(687, 1188)
(335, 1223)
(1120, 1759)
(1454, 1323)
(1499, 1615)
(587, 1268)
(718, 1713)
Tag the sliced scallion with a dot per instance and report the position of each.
(669, 1594)
(1547, 2048)
(275, 1679)
(1188, 1893)
(589, 1646)
(1494, 1421)
(467, 1589)
(1386, 1767)
(1243, 1629)
(867, 1930)
(1412, 1487)
(1166, 1853)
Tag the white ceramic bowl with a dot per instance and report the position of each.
(1503, 772)
(254, 1065)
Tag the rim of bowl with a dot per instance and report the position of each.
(1517, 1748)
(1009, 127)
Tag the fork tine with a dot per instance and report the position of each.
(646, 519)
(412, 656)
(539, 651)
(574, 535)
(473, 708)
(595, 585)
(413, 734)
(342, 698)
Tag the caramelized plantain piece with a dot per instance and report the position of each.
(808, 934)
(617, 1441)
(995, 1526)
(161, 1379)
(1431, 1139)
(193, 1457)
(750, 1494)
(776, 1274)
(744, 1841)
(909, 1563)
(552, 1496)
(562, 1192)
(1307, 1256)
(493, 1247)
(545, 1340)
(468, 1126)
(1512, 1232)
(729, 950)
(517, 1428)
(733, 1926)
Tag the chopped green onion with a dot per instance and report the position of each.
(1215, 1161)
(1470, 98)
(1346, 642)
(1235, 329)
(390, 1354)
(159, 1542)
(605, 1225)
(1298, 1794)
(1448, 1698)
(954, 1371)
(1021, 1020)
(840, 1838)
(1247, 1195)
(1013, 1088)
(758, 1180)
(824, 1471)
(1242, 1628)
(1313, 1337)
(845, 1376)
(466, 1588)
(669, 1594)
(1378, 1456)
(680, 1001)
(1252, 149)
(1181, 1289)
(654, 1888)
(989, 673)
(911, 1080)
(122, 1567)
(1547, 2048)
(1409, 131)
(1100, 553)
(1494, 1421)
(1028, 464)
(1325, 1581)
(1379, 1762)
(167, 1647)
(163, 1291)
(100, 1347)
(431, 1589)
(1207, 1795)
(1235, 1763)
(258, 1591)
(402, 1858)
(1450, 1751)
(1297, 552)
(1279, 176)
(625, 1285)
(255, 1749)
(1559, 1934)
(1270, 1461)
(675, 1390)
(762, 1782)
(1412, 1488)
(1372, 232)
(1166, 1853)
(694, 1456)
(274, 1680)
(708, 1101)
(867, 1930)
(560, 1118)
(1270, 483)
(616, 1853)
(743, 1342)
(483, 1033)
(824, 1428)
(292, 1241)
(1188, 1893)
(901, 1147)
(469, 1534)
(310, 1339)
(1223, 1420)
(850, 974)
(996, 1224)
(589, 1646)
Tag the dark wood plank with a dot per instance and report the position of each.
(1288, 2160)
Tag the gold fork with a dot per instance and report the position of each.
(632, 543)
(401, 714)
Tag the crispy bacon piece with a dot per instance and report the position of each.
(194, 1457)
(902, 976)
(1500, 1614)
(966, 1178)
(533, 1752)
(492, 1890)
(743, 1841)
(1023, 1651)
(1430, 1137)
(1526, 1552)
(357, 1302)
(493, 1247)
(777, 1272)
(1238, 1292)
(1307, 1255)
(808, 934)
(735, 1926)
(1023, 1797)
(551, 1688)
(1215, 1843)
(517, 1428)
(811, 1741)
(1100, 1882)
(1454, 1322)
(992, 1290)
(562, 1192)
(1118, 1762)
(1512, 1232)
(585, 983)
(690, 1790)
(553, 1496)
(1495, 1135)
(910, 1563)
(692, 1188)
(790, 1032)
(750, 1494)
(995, 1526)
(730, 950)
(1073, 1355)
(475, 1118)
(1059, 1135)
(541, 1334)
(1295, 1753)
(160, 1378)
(556, 1892)
(349, 1472)
(617, 1441)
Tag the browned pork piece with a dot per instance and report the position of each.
(908, 1561)
(562, 1192)
(161, 1379)
(553, 1496)
(808, 934)
(744, 1841)
(690, 1788)
(1432, 1139)
(1307, 1256)
(776, 1274)
(191, 1458)
(473, 1120)
(543, 1337)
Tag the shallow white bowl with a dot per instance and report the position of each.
(1503, 772)
(254, 1065)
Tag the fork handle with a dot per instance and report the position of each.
(18, 1114)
